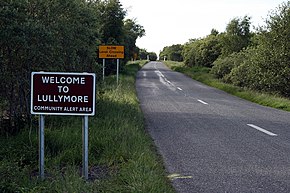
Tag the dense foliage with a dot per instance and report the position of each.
(54, 35)
(202, 52)
(255, 60)
(173, 53)
(237, 36)
(265, 65)
(121, 154)
(145, 55)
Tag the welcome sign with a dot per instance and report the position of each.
(56, 93)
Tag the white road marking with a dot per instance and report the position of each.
(262, 130)
(201, 101)
(159, 73)
(164, 80)
(178, 176)
(144, 73)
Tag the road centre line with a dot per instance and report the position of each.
(201, 101)
(262, 130)
(159, 73)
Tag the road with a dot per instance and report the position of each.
(211, 141)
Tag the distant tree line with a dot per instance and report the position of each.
(173, 53)
(54, 35)
(145, 55)
(257, 60)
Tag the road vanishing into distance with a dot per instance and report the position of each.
(211, 141)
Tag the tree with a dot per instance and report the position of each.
(202, 52)
(223, 66)
(132, 32)
(173, 53)
(237, 35)
(117, 31)
(111, 15)
(152, 56)
(214, 32)
(272, 56)
(54, 35)
(143, 55)
(266, 64)
(42, 36)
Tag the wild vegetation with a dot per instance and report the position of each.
(173, 53)
(122, 157)
(63, 36)
(254, 60)
(56, 36)
(145, 55)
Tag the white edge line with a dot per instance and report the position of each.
(262, 130)
(179, 88)
(201, 101)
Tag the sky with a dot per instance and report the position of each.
(169, 22)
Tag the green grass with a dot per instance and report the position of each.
(122, 157)
(202, 74)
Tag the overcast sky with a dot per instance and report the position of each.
(169, 22)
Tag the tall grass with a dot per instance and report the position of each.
(121, 155)
(202, 74)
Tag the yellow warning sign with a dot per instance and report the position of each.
(111, 51)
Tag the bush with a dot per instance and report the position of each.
(202, 52)
(223, 66)
(264, 66)
(47, 36)
(173, 53)
(54, 36)
(267, 65)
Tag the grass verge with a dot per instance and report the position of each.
(122, 157)
(203, 75)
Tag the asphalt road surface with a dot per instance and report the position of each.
(211, 141)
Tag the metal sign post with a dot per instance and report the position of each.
(41, 146)
(118, 71)
(85, 147)
(112, 52)
(104, 69)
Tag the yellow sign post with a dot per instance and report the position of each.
(111, 52)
